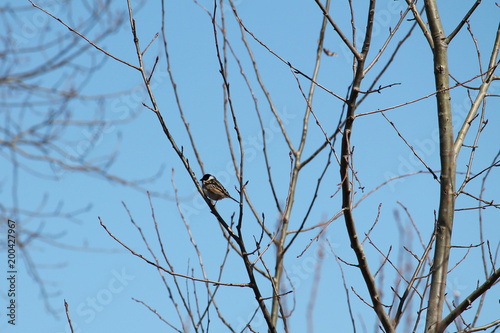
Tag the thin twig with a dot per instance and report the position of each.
(86, 39)
(158, 315)
(351, 47)
(66, 306)
(413, 150)
(166, 270)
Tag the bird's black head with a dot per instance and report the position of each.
(206, 177)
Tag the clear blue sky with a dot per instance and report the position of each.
(100, 281)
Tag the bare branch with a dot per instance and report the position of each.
(448, 170)
(67, 316)
(410, 286)
(345, 287)
(480, 96)
(174, 86)
(388, 40)
(339, 32)
(158, 315)
(413, 150)
(495, 324)
(166, 270)
(297, 71)
(86, 39)
(461, 24)
(468, 301)
(421, 22)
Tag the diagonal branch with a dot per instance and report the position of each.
(421, 262)
(461, 24)
(296, 70)
(468, 301)
(86, 39)
(166, 270)
(391, 34)
(339, 32)
(421, 22)
(411, 147)
(493, 65)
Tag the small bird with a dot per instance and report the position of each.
(213, 188)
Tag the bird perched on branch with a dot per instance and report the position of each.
(213, 189)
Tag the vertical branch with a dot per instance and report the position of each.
(174, 87)
(280, 244)
(242, 72)
(227, 91)
(439, 269)
(239, 238)
(347, 190)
